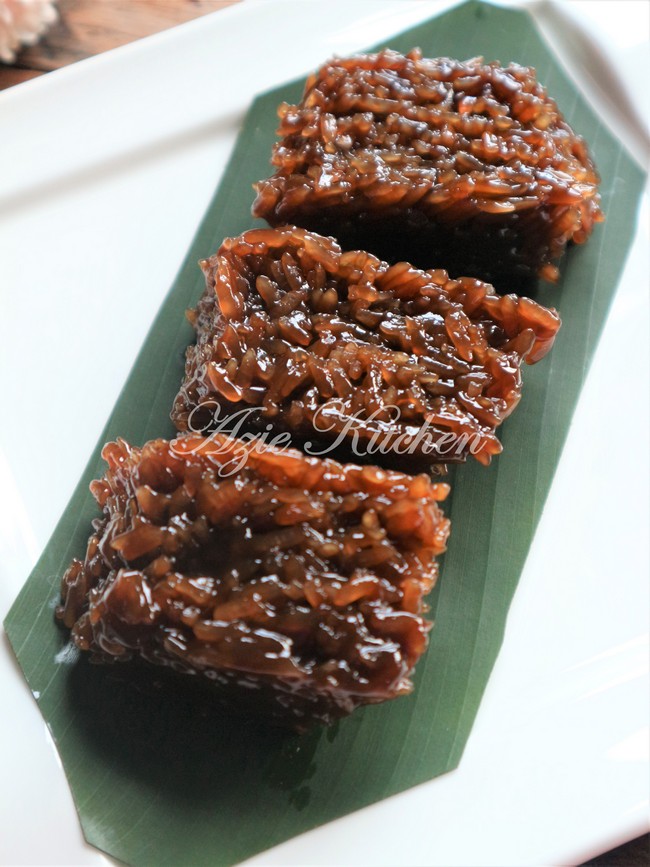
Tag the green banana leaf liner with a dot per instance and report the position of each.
(159, 774)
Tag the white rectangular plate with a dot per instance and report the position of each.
(110, 164)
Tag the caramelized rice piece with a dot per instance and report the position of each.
(469, 166)
(300, 579)
(342, 347)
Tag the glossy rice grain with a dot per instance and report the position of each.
(343, 349)
(296, 582)
(466, 166)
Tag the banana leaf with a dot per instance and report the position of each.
(158, 773)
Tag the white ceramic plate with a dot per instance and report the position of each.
(110, 164)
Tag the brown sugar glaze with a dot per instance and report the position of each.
(341, 345)
(464, 166)
(296, 580)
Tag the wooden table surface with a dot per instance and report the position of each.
(88, 27)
